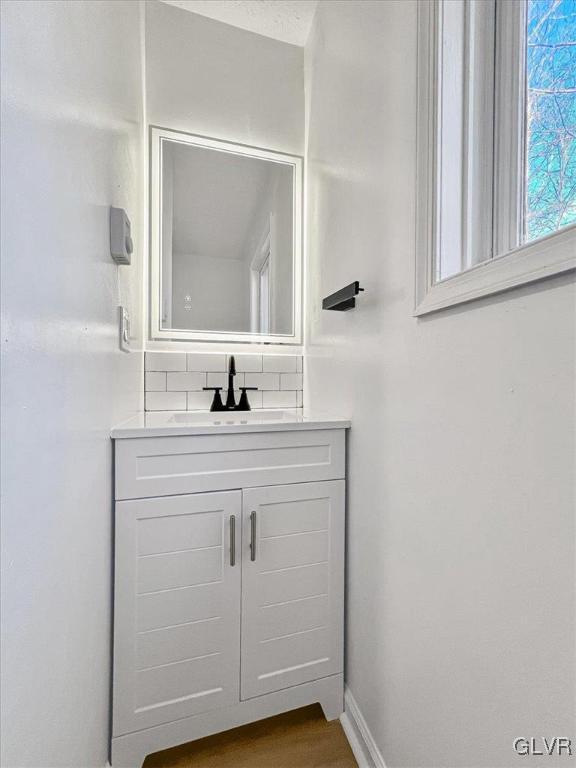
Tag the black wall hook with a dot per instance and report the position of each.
(343, 299)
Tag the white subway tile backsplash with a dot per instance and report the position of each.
(165, 361)
(279, 399)
(185, 382)
(248, 363)
(263, 380)
(291, 381)
(221, 380)
(199, 401)
(255, 399)
(206, 362)
(155, 381)
(165, 401)
(279, 363)
(174, 380)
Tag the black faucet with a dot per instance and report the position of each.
(230, 400)
(243, 404)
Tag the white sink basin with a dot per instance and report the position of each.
(232, 417)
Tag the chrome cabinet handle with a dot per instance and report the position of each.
(252, 536)
(232, 540)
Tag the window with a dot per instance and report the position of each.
(497, 146)
(550, 188)
(260, 268)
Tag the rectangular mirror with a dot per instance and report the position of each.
(226, 232)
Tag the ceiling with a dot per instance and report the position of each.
(286, 20)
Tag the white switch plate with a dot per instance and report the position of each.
(124, 329)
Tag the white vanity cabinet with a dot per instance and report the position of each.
(177, 609)
(229, 582)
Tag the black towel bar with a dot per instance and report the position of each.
(343, 299)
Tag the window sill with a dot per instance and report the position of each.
(549, 256)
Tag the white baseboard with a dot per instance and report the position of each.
(358, 734)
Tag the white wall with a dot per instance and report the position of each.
(206, 77)
(71, 146)
(461, 570)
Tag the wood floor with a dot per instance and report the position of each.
(299, 739)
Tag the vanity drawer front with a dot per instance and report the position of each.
(164, 466)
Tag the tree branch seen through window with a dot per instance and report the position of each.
(550, 187)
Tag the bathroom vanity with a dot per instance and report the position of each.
(229, 573)
(229, 526)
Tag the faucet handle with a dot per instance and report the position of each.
(217, 404)
(243, 404)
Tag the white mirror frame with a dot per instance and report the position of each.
(157, 333)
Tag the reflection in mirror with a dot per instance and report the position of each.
(226, 237)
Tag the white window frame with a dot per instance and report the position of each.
(515, 265)
(264, 296)
(262, 260)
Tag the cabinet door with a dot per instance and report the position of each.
(177, 608)
(292, 585)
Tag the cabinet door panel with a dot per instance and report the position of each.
(300, 615)
(172, 570)
(190, 680)
(297, 651)
(184, 641)
(294, 584)
(177, 609)
(295, 517)
(179, 606)
(292, 593)
(177, 534)
(291, 550)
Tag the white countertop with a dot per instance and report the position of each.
(167, 423)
